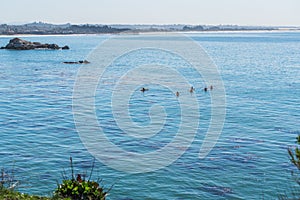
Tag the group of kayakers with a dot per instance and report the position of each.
(192, 89)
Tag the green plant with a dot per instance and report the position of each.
(8, 194)
(293, 191)
(79, 188)
(295, 157)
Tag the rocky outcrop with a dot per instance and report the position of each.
(19, 44)
(77, 62)
(65, 47)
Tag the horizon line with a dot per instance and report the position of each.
(143, 24)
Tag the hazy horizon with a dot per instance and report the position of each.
(145, 24)
(167, 12)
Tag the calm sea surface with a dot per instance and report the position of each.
(261, 75)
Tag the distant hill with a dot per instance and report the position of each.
(41, 28)
(45, 29)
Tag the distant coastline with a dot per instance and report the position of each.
(40, 28)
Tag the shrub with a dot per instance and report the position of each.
(8, 194)
(293, 192)
(80, 189)
(295, 157)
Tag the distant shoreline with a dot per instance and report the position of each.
(148, 32)
(40, 28)
(47, 35)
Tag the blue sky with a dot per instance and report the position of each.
(214, 12)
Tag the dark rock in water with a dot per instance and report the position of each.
(84, 62)
(19, 44)
(37, 43)
(53, 46)
(77, 62)
(65, 47)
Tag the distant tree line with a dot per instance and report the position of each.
(41, 29)
(44, 28)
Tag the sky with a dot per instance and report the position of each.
(203, 12)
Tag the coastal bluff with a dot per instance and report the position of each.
(19, 44)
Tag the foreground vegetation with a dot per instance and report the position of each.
(69, 189)
(7, 194)
(294, 191)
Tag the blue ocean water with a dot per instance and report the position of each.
(261, 75)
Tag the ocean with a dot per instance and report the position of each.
(260, 72)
